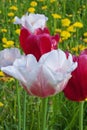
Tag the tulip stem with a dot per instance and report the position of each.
(44, 112)
(81, 115)
(24, 113)
(19, 106)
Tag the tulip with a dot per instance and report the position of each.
(45, 77)
(8, 56)
(76, 88)
(32, 21)
(39, 43)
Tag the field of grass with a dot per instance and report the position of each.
(18, 110)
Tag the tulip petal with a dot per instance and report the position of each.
(53, 57)
(7, 56)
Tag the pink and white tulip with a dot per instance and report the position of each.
(45, 77)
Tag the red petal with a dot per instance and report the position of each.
(23, 36)
(76, 88)
(41, 31)
(31, 46)
(44, 43)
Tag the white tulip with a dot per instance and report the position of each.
(32, 21)
(45, 77)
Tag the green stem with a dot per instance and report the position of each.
(19, 107)
(64, 7)
(24, 112)
(81, 115)
(44, 112)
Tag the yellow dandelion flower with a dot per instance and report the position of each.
(0, 11)
(70, 15)
(44, 7)
(4, 40)
(57, 30)
(84, 6)
(10, 79)
(85, 40)
(65, 22)
(40, 0)
(56, 16)
(78, 25)
(71, 29)
(8, 44)
(4, 30)
(11, 14)
(85, 34)
(1, 74)
(75, 49)
(33, 3)
(17, 31)
(13, 8)
(31, 10)
(1, 104)
(65, 35)
(51, 1)
(81, 47)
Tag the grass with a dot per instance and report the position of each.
(62, 114)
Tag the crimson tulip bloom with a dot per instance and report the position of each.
(76, 88)
(39, 43)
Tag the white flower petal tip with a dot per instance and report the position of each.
(7, 56)
(46, 77)
(32, 21)
(17, 20)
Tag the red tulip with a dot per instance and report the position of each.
(38, 43)
(76, 88)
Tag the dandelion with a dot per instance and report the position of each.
(52, 1)
(85, 34)
(33, 3)
(1, 74)
(74, 49)
(4, 39)
(4, 30)
(17, 31)
(85, 40)
(78, 25)
(70, 15)
(8, 44)
(0, 11)
(40, 0)
(31, 10)
(57, 30)
(1, 104)
(65, 35)
(44, 7)
(13, 8)
(11, 14)
(56, 16)
(65, 22)
(81, 47)
(71, 29)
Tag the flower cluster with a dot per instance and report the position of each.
(43, 70)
